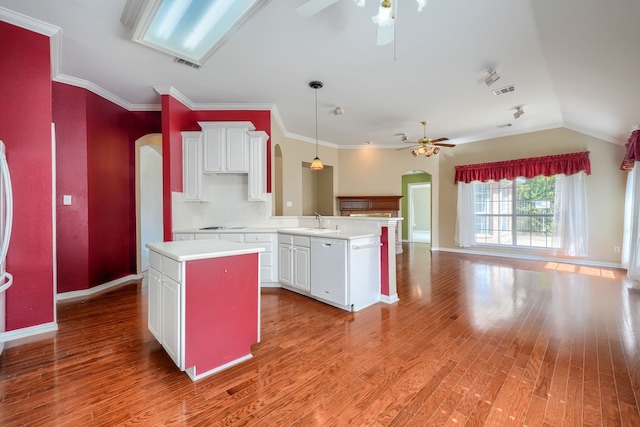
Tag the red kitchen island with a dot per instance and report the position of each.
(204, 302)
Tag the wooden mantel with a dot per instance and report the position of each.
(349, 205)
(372, 206)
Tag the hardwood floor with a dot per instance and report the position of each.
(472, 341)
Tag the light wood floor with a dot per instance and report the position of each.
(473, 341)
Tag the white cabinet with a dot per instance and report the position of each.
(226, 146)
(171, 300)
(268, 258)
(294, 261)
(257, 178)
(164, 303)
(154, 290)
(192, 166)
(183, 236)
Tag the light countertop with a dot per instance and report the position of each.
(301, 231)
(190, 250)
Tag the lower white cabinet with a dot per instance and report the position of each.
(344, 273)
(164, 303)
(171, 318)
(204, 311)
(154, 291)
(294, 261)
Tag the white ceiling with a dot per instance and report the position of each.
(574, 63)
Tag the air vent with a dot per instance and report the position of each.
(504, 125)
(503, 90)
(187, 63)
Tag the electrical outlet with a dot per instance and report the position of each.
(616, 249)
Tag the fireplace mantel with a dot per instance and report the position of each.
(372, 206)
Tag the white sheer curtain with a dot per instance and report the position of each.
(570, 214)
(465, 218)
(631, 236)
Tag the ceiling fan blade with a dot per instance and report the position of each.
(438, 140)
(311, 7)
(439, 144)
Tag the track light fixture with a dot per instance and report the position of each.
(491, 77)
(519, 112)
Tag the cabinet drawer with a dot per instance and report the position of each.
(302, 241)
(183, 236)
(259, 237)
(171, 268)
(287, 239)
(207, 236)
(155, 260)
(232, 237)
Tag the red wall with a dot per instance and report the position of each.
(176, 117)
(25, 128)
(96, 166)
(72, 222)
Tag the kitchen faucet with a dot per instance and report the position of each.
(319, 218)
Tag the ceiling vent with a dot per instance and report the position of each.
(504, 125)
(187, 63)
(503, 90)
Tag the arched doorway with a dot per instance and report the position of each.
(149, 223)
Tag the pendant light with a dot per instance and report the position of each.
(316, 165)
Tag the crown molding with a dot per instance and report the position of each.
(54, 33)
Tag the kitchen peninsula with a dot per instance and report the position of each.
(204, 302)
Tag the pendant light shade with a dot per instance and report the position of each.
(316, 165)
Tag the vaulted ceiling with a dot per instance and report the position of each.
(573, 63)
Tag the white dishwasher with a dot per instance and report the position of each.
(329, 269)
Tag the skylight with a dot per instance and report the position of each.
(190, 29)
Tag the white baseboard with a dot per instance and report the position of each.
(528, 257)
(389, 299)
(99, 288)
(28, 332)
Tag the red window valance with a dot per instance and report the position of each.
(567, 164)
(633, 151)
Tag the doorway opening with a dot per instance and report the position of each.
(416, 206)
(419, 220)
(317, 190)
(149, 222)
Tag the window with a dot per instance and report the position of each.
(515, 212)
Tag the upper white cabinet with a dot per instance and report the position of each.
(192, 166)
(257, 179)
(226, 146)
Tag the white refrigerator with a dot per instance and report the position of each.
(6, 218)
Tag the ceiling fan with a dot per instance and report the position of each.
(385, 18)
(425, 146)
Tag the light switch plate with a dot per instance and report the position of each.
(66, 199)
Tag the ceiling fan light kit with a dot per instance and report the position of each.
(384, 18)
(427, 146)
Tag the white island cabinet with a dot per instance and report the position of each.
(204, 302)
(337, 267)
